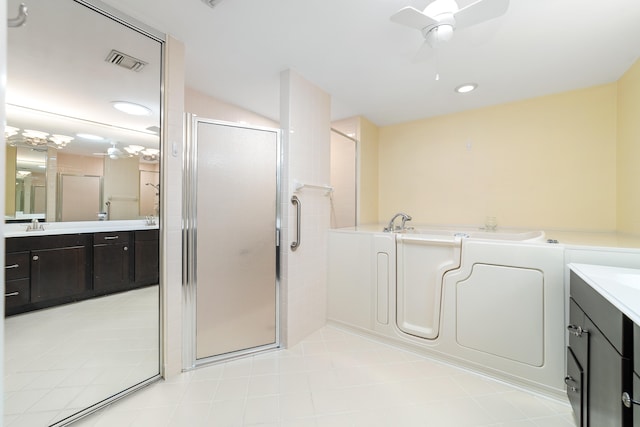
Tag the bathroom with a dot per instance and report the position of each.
(510, 176)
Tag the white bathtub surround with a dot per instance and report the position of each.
(495, 305)
(305, 121)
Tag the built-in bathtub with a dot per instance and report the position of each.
(489, 300)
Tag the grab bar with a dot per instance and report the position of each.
(295, 201)
(19, 20)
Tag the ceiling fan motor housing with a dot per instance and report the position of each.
(442, 31)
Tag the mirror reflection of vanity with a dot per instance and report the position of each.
(82, 283)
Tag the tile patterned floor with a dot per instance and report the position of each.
(62, 359)
(333, 378)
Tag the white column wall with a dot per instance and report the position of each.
(305, 112)
(171, 205)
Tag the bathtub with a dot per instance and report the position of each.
(492, 301)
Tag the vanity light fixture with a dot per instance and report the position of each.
(60, 141)
(131, 108)
(150, 154)
(9, 131)
(134, 150)
(466, 88)
(35, 138)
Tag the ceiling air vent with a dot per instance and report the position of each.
(125, 61)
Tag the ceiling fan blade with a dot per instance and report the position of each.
(480, 11)
(413, 18)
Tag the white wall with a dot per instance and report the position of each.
(305, 112)
(171, 209)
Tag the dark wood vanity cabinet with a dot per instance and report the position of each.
(43, 271)
(147, 257)
(17, 289)
(111, 261)
(598, 358)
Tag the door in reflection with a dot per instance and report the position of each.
(236, 249)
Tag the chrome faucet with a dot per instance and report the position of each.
(35, 226)
(391, 228)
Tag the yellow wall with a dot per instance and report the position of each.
(368, 167)
(629, 150)
(10, 179)
(547, 162)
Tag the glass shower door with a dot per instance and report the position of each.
(235, 250)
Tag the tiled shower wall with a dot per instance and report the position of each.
(305, 120)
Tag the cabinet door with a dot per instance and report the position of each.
(636, 392)
(110, 267)
(146, 267)
(605, 381)
(578, 354)
(575, 387)
(59, 272)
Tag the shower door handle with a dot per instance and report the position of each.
(295, 201)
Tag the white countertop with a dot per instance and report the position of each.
(56, 228)
(619, 286)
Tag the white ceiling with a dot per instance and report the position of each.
(352, 50)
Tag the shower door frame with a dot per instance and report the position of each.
(190, 240)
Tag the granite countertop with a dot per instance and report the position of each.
(56, 228)
(619, 286)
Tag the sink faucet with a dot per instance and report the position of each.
(392, 228)
(35, 226)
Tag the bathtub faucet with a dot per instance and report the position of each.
(392, 228)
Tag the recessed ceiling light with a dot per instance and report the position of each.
(131, 108)
(466, 88)
(89, 137)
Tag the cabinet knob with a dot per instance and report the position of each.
(36, 257)
(125, 248)
(577, 330)
(628, 401)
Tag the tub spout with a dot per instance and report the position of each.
(391, 228)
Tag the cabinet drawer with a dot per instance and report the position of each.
(601, 312)
(16, 293)
(17, 266)
(114, 237)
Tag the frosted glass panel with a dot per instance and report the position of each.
(79, 197)
(236, 246)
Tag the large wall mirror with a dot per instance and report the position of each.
(72, 155)
(83, 93)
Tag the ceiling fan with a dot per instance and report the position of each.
(441, 18)
(112, 152)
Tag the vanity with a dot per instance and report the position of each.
(603, 355)
(44, 268)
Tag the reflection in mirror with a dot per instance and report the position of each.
(82, 305)
(90, 96)
(26, 183)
